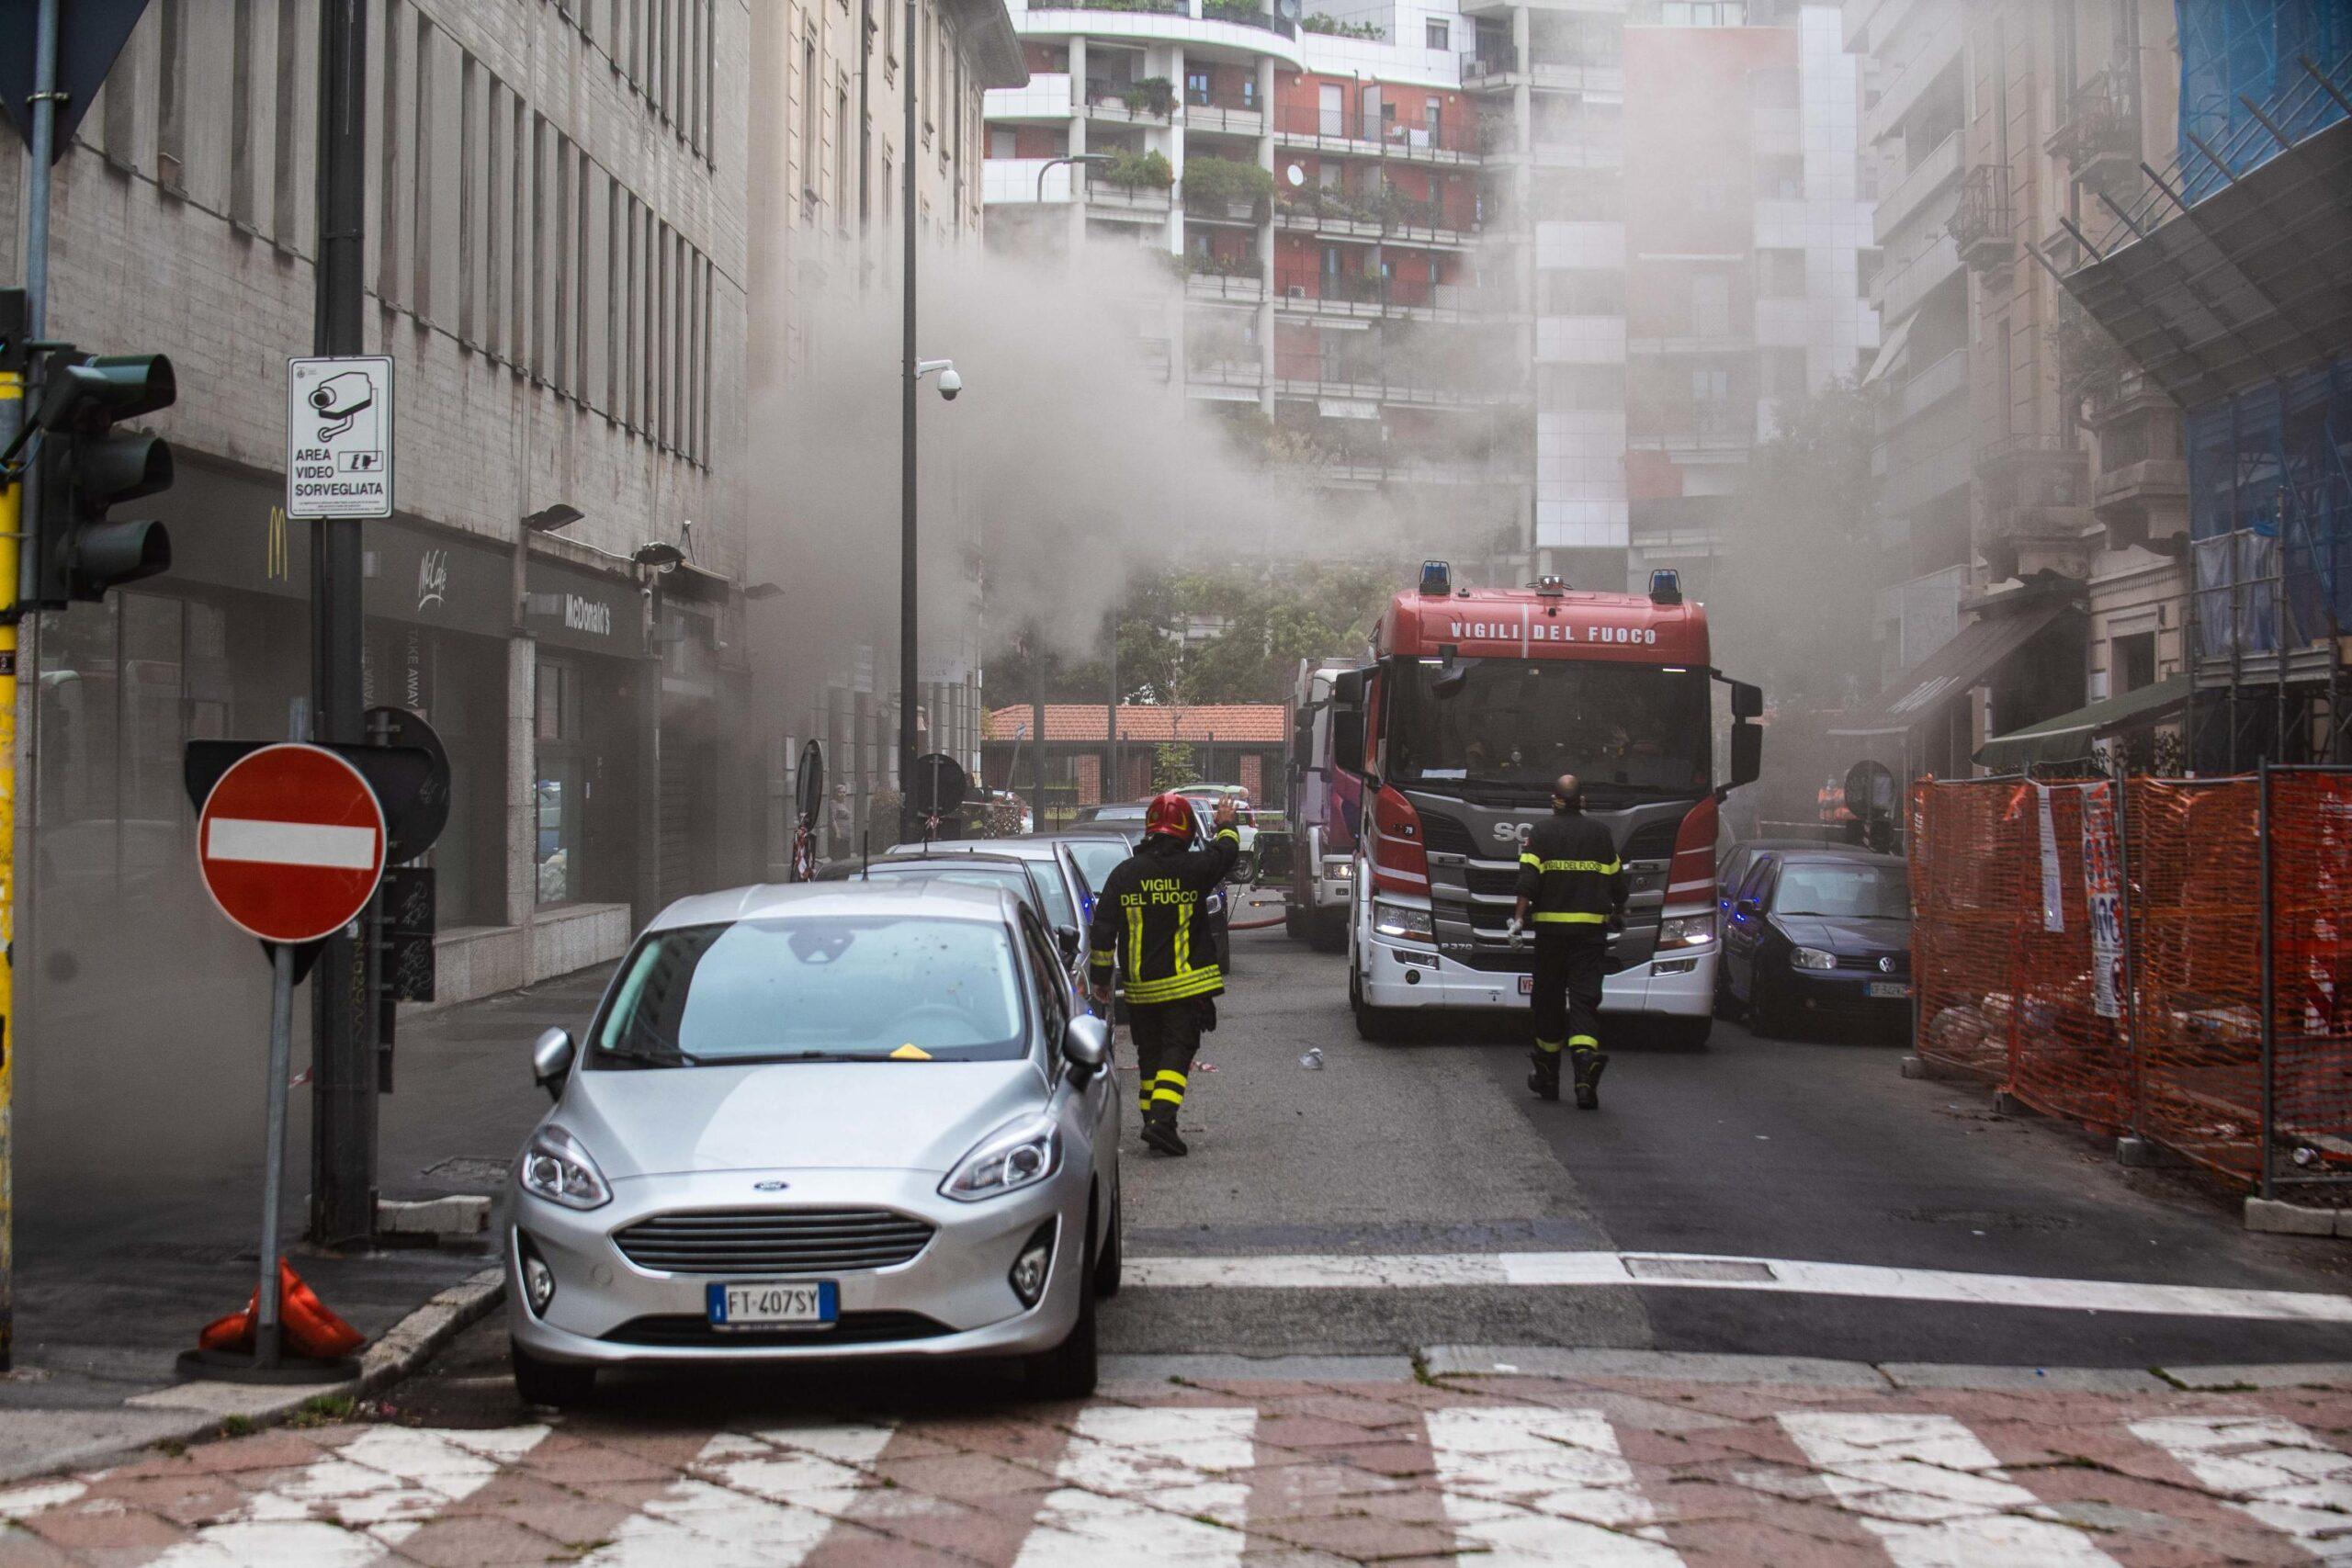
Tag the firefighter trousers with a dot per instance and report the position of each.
(1166, 1036)
(1570, 963)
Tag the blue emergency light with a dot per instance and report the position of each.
(1665, 586)
(1437, 578)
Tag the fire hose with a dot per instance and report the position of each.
(1256, 925)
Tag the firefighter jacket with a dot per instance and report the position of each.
(1153, 914)
(1569, 872)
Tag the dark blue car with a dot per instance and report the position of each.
(1818, 935)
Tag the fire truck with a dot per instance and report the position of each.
(1474, 702)
(1326, 803)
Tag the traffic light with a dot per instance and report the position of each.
(87, 468)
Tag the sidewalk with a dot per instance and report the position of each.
(108, 1292)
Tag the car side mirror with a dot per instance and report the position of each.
(1748, 907)
(1085, 1046)
(1066, 938)
(551, 1057)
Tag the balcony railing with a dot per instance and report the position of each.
(1349, 129)
(1162, 7)
(1140, 198)
(1487, 62)
(2101, 128)
(1245, 13)
(1984, 223)
(1389, 213)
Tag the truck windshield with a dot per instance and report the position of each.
(1631, 727)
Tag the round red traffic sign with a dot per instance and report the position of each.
(290, 843)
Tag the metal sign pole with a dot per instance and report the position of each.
(268, 1332)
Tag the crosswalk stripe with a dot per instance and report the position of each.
(1533, 1485)
(2270, 1469)
(349, 1509)
(764, 1499)
(1930, 1490)
(1138, 1482)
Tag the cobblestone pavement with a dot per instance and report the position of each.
(1501, 1470)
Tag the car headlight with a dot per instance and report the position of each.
(554, 1167)
(1396, 919)
(1686, 931)
(1007, 1160)
(1813, 958)
(1338, 867)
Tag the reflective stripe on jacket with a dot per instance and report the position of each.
(1569, 872)
(1152, 913)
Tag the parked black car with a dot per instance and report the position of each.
(1819, 934)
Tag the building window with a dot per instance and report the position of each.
(2131, 663)
(1436, 35)
(1196, 87)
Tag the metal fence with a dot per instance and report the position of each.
(2167, 957)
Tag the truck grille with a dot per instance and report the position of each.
(1445, 835)
(773, 1241)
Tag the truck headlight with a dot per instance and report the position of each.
(1339, 868)
(1813, 958)
(1686, 931)
(554, 1167)
(1396, 920)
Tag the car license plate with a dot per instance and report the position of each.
(775, 1304)
(1887, 988)
(1527, 985)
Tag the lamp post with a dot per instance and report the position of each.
(1049, 164)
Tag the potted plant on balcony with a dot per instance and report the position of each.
(1153, 96)
(1226, 187)
(1137, 171)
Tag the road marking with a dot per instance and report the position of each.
(1532, 1486)
(1697, 1272)
(2273, 1469)
(756, 1500)
(1147, 1484)
(1933, 1494)
(24, 1501)
(350, 1507)
(290, 843)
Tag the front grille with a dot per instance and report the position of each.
(1446, 836)
(682, 1331)
(1481, 879)
(773, 1241)
(1870, 961)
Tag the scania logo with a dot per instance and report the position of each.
(1512, 832)
(770, 1186)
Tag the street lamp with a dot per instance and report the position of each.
(1050, 164)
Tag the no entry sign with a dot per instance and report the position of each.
(290, 843)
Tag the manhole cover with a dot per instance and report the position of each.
(1698, 1268)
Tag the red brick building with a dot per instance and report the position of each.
(1240, 743)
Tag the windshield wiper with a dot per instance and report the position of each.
(658, 1057)
(802, 1056)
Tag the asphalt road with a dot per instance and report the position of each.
(1809, 1151)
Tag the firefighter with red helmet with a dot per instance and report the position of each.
(1151, 920)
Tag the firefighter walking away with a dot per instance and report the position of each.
(1152, 921)
(1572, 888)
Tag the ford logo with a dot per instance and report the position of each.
(770, 1186)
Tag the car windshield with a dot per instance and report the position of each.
(1098, 858)
(865, 988)
(1636, 728)
(1853, 892)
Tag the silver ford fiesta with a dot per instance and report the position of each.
(826, 1121)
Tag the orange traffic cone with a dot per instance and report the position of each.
(311, 1330)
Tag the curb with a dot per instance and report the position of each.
(191, 1412)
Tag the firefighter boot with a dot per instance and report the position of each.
(1160, 1131)
(1589, 1065)
(1545, 1079)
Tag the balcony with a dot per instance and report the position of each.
(1932, 173)
(1499, 66)
(1225, 120)
(1947, 378)
(1113, 101)
(2034, 487)
(1491, 66)
(1105, 199)
(1984, 226)
(1304, 290)
(1357, 384)
(1899, 287)
(2100, 137)
(1388, 215)
(1349, 131)
(1707, 432)
(1209, 282)
(1938, 47)
(1580, 340)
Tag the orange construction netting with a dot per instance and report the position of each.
(2012, 940)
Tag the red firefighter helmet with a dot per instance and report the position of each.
(1169, 812)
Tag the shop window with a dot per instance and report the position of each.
(560, 796)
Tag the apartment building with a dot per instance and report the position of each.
(2071, 593)
(1312, 186)
(829, 153)
(2218, 274)
(555, 257)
